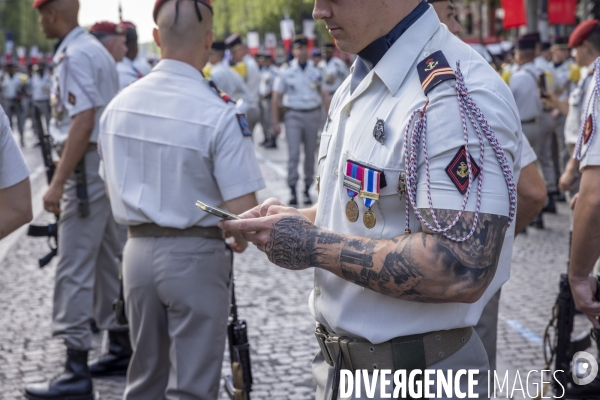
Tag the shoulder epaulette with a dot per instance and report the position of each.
(434, 70)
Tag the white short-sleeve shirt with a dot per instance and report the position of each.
(391, 92)
(85, 77)
(527, 155)
(590, 146)
(301, 88)
(11, 86)
(41, 86)
(12, 164)
(335, 71)
(170, 140)
(525, 89)
(229, 81)
(128, 73)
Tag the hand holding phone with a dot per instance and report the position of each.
(217, 211)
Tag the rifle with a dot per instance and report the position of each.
(239, 384)
(49, 231)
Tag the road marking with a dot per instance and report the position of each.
(282, 173)
(522, 330)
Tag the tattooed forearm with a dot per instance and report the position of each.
(431, 268)
(420, 267)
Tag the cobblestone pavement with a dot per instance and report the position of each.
(274, 303)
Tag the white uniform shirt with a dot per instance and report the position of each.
(527, 155)
(229, 81)
(40, 87)
(12, 164)
(142, 65)
(301, 88)
(561, 84)
(170, 140)
(128, 73)
(525, 89)
(11, 86)
(576, 106)
(542, 64)
(85, 77)
(252, 80)
(335, 71)
(392, 91)
(591, 147)
(267, 79)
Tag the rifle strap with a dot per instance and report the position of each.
(232, 304)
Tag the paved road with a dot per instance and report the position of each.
(273, 301)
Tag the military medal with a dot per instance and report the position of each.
(370, 194)
(353, 185)
(379, 131)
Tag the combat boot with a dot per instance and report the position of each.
(116, 359)
(294, 196)
(74, 383)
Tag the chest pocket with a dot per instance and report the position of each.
(324, 147)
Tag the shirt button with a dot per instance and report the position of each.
(426, 54)
(318, 291)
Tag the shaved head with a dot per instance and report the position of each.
(59, 17)
(182, 30)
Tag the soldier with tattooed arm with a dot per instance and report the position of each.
(412, 233)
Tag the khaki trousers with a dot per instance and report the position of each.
(87, 274)
(302, 127)
(487, 328)
(177, 300)
(471, 356)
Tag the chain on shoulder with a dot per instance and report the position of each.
(416, 138)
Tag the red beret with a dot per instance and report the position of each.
(159, 4)
(129, 25)
(582, 31)
(39, 3)
(108, 28)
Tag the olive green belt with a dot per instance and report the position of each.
(90, 147)
(405, 352)
(153, 230)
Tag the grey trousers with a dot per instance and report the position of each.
(543, 150)
(534, 134)
(471, 356)
(266, 119)
(13, 109)
(253, 116)
(87, 274)
(487, 328)
(177, 300)
(559, 135)
(302, 127)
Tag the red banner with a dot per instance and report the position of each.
(561, 12)
(514, 13)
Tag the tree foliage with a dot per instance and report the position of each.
(18, 18)
(241, 16)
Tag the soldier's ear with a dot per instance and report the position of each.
(156, 36)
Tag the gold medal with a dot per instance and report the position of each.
(352, 210)
(369, 219)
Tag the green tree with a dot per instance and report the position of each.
(19, 18)
(242, 16)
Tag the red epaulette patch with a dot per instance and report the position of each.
(458, 170)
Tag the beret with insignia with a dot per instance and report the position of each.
(39, 3)
(582, 32)
(107, 28)
(525, 43)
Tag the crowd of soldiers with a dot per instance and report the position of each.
(420, 273)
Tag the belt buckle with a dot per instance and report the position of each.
(322, 336)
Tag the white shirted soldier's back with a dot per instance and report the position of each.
(87, 274)
(169, 140)
(397, 248)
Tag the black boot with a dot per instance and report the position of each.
(538, 222)
(271, 144)
(294, 197)
(550, 207)
(307, 200)
(74, 383)
(116, 360)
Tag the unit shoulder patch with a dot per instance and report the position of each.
(72, 99)
(245, 127)
(588, 129)
(434, 70)
(458, 170)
